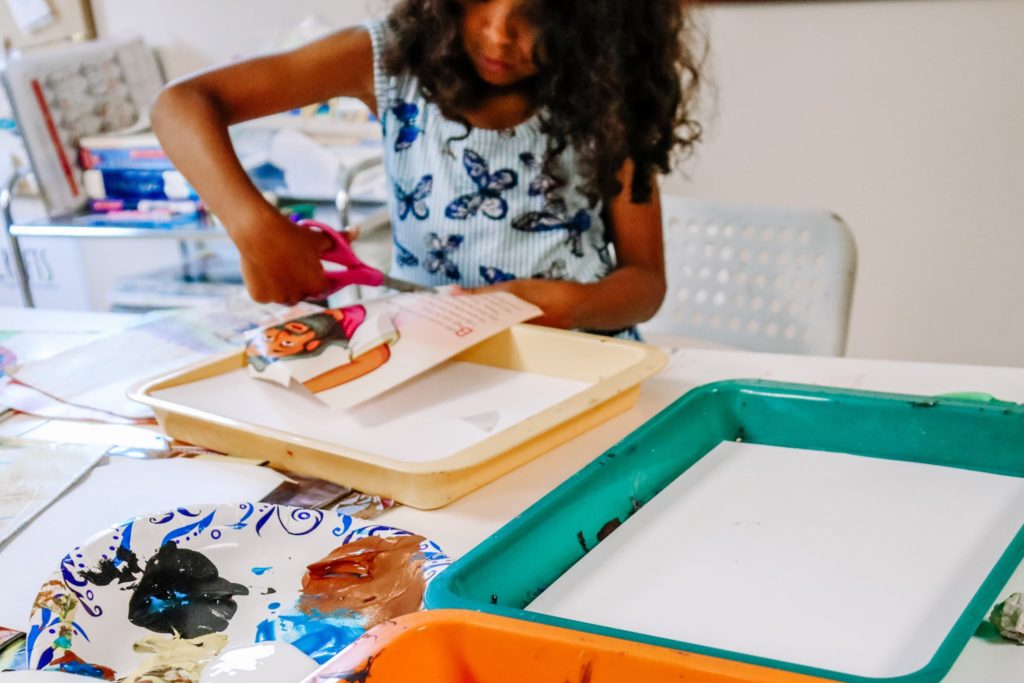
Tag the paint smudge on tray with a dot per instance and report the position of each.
(610, 526)
(360, 675)
(181, 592)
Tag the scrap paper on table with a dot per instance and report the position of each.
(89, 382)
(346, 356)
(28, 334)
(33, 476)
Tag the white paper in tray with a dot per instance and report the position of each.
(431, 417)
(850, 564)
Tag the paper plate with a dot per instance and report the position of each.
(165, 595)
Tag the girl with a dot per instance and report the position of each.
(522, 142)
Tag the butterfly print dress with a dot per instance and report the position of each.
(480, 208)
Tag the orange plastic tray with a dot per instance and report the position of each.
(456, 646)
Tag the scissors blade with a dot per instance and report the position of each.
(404, 285)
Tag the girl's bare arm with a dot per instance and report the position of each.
(191, 116)
(631, 294)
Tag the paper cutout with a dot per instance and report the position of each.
(323, 350)
(1008, 617)
(346, 356)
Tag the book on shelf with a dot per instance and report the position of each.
(136, 184)
(141, 151)
(180, 207)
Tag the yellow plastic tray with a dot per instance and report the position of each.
(615, 368)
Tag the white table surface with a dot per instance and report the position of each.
(464, 523)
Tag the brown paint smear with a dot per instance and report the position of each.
(378, 577)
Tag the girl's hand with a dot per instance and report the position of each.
(281, 260)
(558, 299)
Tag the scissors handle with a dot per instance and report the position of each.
(356, 272)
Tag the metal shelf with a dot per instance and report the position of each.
(81, 225)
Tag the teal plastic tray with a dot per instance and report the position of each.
(510, 569)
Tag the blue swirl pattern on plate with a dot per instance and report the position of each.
(250, 557)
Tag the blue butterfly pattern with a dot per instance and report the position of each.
(440, 252)
(542, 183)
(556, 271)
(494, 275)
(403, 255)
(406, 113)
(604, 253)
(555, 217)
(414, 202)
(487, 199)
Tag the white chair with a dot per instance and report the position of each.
(756, 277)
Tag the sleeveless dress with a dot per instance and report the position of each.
(479, 209)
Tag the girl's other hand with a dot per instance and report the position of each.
(281, 260)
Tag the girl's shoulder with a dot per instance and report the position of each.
(380, 36)
(391, 84)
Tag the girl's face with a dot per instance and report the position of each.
(499, 39)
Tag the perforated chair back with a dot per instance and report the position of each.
(756, 277)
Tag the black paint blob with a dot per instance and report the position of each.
(182, 593)
(124, 568)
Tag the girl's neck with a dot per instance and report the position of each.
(502, 108)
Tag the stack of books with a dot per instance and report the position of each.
(130, 181)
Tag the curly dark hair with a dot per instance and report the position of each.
(617, 80)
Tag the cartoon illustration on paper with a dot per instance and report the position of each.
(349, 355)
(323, 350)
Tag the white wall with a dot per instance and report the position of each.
(902, 116)
(192, 34)
(905, 118)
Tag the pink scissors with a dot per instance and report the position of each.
(356, 272)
